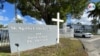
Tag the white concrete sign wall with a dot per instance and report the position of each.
(30, 36)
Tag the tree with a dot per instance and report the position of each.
(94, 22)
(95, 13)
(19, 21)
(1, 26)
(78, 23)
(46, 9)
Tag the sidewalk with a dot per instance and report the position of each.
(91, 50)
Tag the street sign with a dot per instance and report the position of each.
(91, 7)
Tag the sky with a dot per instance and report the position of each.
(83, 20)
(7, 15)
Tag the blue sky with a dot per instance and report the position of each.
(95, 0)
(7, 15)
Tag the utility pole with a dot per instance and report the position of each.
(15, 10)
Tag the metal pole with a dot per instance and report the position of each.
(17, 45)
(18, 51)
(15, 10)
(1, 38)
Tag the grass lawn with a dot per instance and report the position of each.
(66, 47)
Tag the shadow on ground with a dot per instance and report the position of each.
(82, 37)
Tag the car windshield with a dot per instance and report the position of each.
(78, 31)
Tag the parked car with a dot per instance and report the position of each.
(82, 34)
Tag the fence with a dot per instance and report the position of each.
(4, 37)
(67, 32)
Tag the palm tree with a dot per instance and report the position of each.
(95, 14)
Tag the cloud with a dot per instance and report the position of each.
(33, 18)
(25, 20)
(74, 21)
(19, 17)
(3, 18)
(84, 19)
(35, 21)
(2, 11)
(5, 24)
(40, 22)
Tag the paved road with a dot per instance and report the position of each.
(92, 45)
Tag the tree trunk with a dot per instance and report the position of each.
(47, 18)
(48, 21)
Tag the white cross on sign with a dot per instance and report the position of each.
(58, 22)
